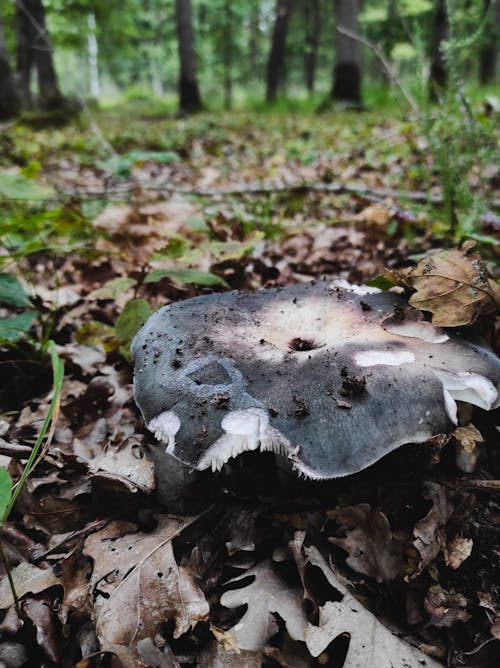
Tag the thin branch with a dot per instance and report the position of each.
(387, 65)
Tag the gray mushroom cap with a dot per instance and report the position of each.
(332, 379)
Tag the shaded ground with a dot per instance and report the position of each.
(100, 564)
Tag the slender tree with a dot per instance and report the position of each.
(488, 54)
(276, 61)
(228, 54)
(9, 101)
(347, 71)
(440, 31)
(189, 93)
(312, 12)
(34, 51)
(253, 40)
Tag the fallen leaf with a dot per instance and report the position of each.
(27, 579)
(216, 655)
(266, 596)
(454, 286)
(458, 551)
(468, 437)
(45, 622)
(445, 608)
(370, 642)
(373, 548)
(429, 532)
(140, 570)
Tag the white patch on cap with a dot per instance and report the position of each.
(351, 287)
(385, 357)
(472, 388)
(165, 426)
(246, 429)
(418, 330)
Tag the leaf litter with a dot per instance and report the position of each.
(397, 565)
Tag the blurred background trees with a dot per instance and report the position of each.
(234, 53)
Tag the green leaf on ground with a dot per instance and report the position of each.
(121, 165)
(131, 319)
(185, 276)
(113, 289)
(15, 186)
(13, 329)
(12, 292)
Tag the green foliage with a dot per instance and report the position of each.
(185, 276)
(121, 165)
(130, 320)
(5, 491)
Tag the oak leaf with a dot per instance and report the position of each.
(454, 285)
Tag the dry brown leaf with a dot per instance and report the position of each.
(27, 579)
(458, 551)
(454, 286)
(377, 214)
(468, 437)
(445, 608)
(373, 548)
(429, 532)
(138, 585)
(215, 655)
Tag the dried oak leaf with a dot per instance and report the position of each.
(266, 596)
(370, 644)
(373, 548)
(454, 286)
(430, 531)
(137, 584)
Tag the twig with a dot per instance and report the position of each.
(387, 65)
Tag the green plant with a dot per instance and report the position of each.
(9, 491)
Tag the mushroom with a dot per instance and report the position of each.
(332, 378)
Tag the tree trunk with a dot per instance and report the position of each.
(276, 61)
(34, 50)
(93, 53)
(189, 94)
(313, 23)
(228, 55)
(9, 101)
(253, 42)
(347, 71)
(438, 70)
(488, 53)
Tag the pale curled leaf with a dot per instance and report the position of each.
(138, 584)
(454, 286)
(266, 595)
(371, 643)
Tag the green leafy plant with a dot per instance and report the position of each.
(9, 491)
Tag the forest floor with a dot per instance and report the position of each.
(110, 217)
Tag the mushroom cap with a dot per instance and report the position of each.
(331, 378)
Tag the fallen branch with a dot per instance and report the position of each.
(375, 194)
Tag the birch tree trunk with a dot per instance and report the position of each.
(189, 94)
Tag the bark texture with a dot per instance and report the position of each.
(276, 61)
(34, 51)
(488, 54)
(438, 71)
(189, 93)
(9, 100)
(313, 23)
(347, 71)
